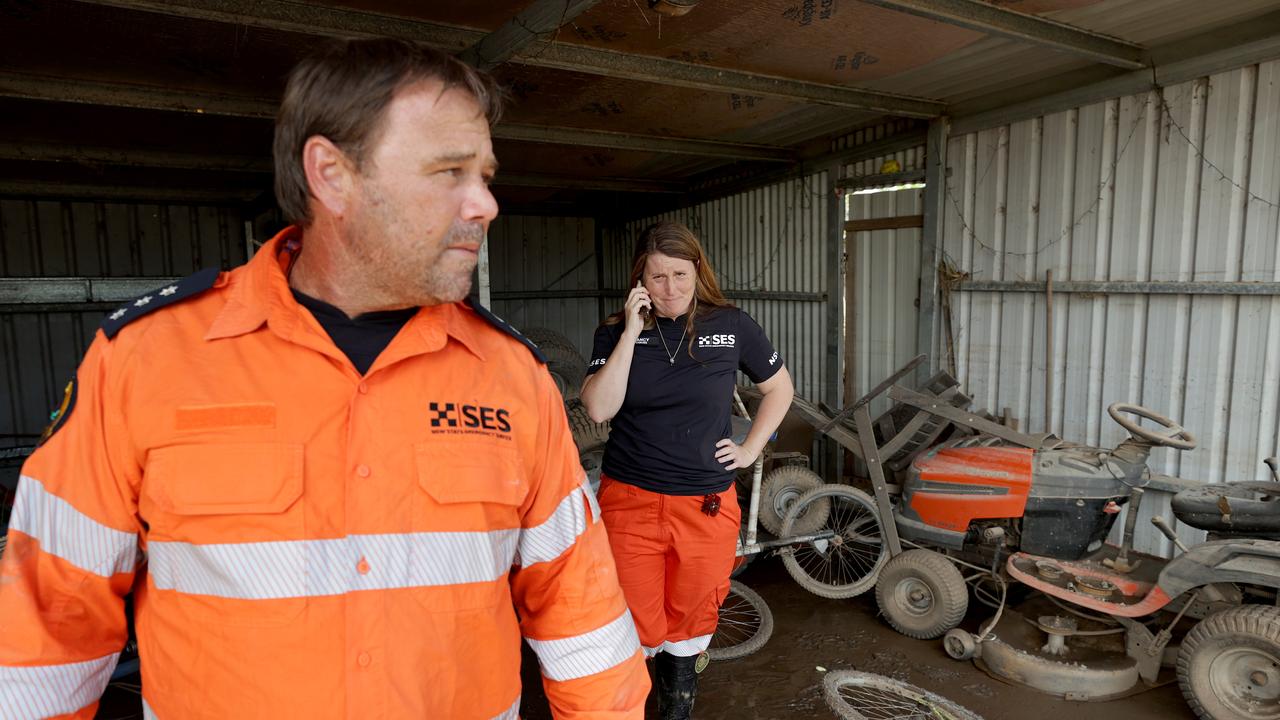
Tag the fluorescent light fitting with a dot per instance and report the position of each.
(889, 188)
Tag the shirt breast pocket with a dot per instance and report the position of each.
(466, 523)
(227, 529)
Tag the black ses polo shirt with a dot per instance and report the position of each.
(664, 437)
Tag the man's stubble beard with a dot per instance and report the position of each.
(415, 275)
(446, 283)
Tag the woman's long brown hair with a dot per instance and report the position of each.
(675, 240)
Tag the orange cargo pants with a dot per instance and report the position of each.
(673, 562)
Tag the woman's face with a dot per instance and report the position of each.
(671, 283)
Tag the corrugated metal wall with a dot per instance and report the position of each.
(1175, 185)
(882, 305)
(545, 254)
(772, 240)
(40, 349)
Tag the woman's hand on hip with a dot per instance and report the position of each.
(733, 455)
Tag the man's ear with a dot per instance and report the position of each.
(330, 174)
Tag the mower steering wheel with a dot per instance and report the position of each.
(1177, 437)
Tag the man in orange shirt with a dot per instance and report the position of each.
(334, 488)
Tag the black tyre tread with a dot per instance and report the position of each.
(563, 359)
(546, 338)
(836, 679)
(950, 592)
(1259, 621)
(755, 642)
(795, 476)
(587, 433)
(813, 585)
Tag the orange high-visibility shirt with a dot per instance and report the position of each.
(303, 541)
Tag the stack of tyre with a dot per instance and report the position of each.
(11, 460)
(568, 369)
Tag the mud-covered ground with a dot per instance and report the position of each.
(783, 680)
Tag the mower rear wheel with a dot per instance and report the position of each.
(845, 558)
(1229, 665)
(780, 489)
(922, 594)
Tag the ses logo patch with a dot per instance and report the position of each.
(724, 341)
(457, 418)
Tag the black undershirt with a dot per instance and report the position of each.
(361, 338)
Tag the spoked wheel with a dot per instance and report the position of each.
(1229, 665)
(848, 552)
(745, 624)
(922, 594)
(856, 695)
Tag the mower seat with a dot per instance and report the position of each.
(1244, 509)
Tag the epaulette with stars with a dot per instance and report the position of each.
(502, 325)
(176, 292)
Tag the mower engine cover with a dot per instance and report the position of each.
(970, 479)
(1060, 494)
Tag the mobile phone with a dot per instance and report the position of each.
(644, 311)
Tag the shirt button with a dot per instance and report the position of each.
(364, 659)
(363, 470)
(362, 567)
(363, 388)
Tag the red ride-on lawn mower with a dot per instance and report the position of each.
(1035, 511)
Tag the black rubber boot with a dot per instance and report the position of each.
(677, 686)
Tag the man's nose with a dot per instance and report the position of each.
(479, 204)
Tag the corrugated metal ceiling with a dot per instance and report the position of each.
(836, 42)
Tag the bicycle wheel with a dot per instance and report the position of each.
(847, 561)
(854, 695)
(745, 624)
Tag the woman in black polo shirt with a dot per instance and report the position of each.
(663, 372)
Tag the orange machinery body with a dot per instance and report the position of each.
(957, 485)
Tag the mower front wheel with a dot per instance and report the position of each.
(780, 489)
(922, 594)
(1229, 665)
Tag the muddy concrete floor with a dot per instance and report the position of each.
(783, 680)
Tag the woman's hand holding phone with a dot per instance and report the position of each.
(637, 308)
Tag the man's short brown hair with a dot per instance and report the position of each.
(342, 92)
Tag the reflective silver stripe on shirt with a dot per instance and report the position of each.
(311, 568)
(511, 713)
(67, 533)
(588, 653)
(42, 691)
(147, 712)
(550, 539)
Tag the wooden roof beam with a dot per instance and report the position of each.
(993, 20)
(163, 159)
(53, 89)
(539, 19)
